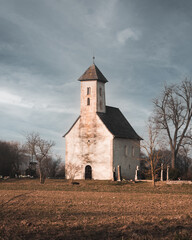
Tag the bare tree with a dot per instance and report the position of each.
(41, 150)
(152, 155)
(71, 170)
(173, 113)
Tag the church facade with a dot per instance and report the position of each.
(101, 139)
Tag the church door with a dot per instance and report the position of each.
(88, 172)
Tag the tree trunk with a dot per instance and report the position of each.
(173, 159)
(152, 172)
(153, 179)
(42, 177)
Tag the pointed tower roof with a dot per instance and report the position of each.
(93, 73)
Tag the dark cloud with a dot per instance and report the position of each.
(46, 45)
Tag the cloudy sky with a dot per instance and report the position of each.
(46, 45)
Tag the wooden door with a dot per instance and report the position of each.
(88, 172)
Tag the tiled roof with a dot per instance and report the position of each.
(93, 73)
(117, 124)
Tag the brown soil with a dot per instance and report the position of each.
(128, 212)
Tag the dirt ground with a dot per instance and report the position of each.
(94, 210)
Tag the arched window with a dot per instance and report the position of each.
(88, 90)
(88, 101)
(133, 151)
(126, 150)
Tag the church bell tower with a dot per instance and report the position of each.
(92, 91)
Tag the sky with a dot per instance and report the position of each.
(46, 45)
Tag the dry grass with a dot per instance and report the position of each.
(94, 210)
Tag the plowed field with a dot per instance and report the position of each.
(94, 210)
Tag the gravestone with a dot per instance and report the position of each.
(167, 172)
(136, 173)
(118, 173)
(161, 171)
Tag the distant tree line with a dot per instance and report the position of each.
(32, 158)
(11, 157)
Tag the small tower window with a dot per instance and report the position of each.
(100, 91)
(88, 90)
(88, 101)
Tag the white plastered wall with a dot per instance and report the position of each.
(126, 153)
(90, 144)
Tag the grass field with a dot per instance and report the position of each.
(94, 210)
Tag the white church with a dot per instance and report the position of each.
(101, 139)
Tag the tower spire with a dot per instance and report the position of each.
(93, 57)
